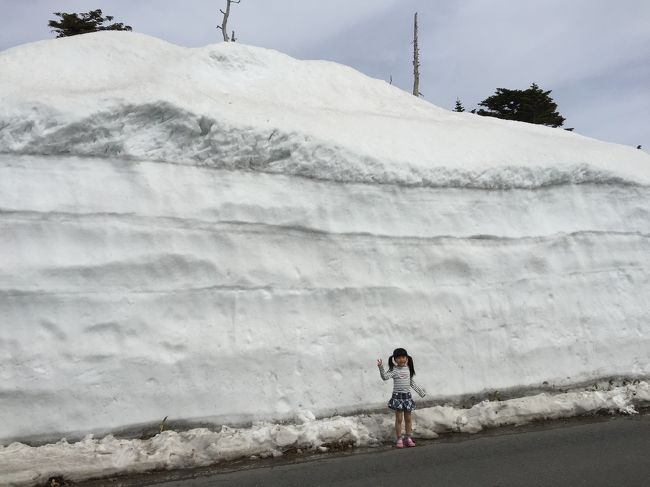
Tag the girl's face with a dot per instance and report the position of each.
(401, 361)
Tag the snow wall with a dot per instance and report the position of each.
(248, 252)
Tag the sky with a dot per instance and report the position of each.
(593, 54)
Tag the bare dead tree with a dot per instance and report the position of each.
(416, 58)
(224, 23)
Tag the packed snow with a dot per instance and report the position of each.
(227, 236)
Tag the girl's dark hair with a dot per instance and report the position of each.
(400, 352)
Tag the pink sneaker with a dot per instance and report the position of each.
(399, 444)
(409, 442)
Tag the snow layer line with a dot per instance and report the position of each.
(162, 132)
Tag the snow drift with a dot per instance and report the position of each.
(227, 234)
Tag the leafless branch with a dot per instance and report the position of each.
(224, 23)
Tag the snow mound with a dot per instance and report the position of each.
(233, 106)
(181, 226)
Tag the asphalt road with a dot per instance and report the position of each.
(612, 452)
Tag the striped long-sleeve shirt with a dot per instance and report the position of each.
(402, 380)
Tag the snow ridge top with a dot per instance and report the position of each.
(241, 107)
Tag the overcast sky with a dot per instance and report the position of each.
(593, 54)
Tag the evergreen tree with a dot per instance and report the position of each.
(532, 105)
(75, 24)
(459, 106)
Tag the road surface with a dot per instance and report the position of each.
(612, 452)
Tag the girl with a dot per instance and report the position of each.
(401, 370)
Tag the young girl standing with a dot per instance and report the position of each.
(401, 370)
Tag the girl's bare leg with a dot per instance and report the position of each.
(408, 423)
(398, 423)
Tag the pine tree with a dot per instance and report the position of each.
(75, 24)
(459, 106)
(532, 105)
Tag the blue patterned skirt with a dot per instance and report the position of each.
(401, 401)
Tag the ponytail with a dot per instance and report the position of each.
(391, 364)
(411, 366)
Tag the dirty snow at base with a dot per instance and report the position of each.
(90, 458)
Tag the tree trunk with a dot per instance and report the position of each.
(416, 58)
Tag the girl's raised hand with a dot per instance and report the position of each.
(379, 361)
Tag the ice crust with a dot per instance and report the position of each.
(229, 235)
